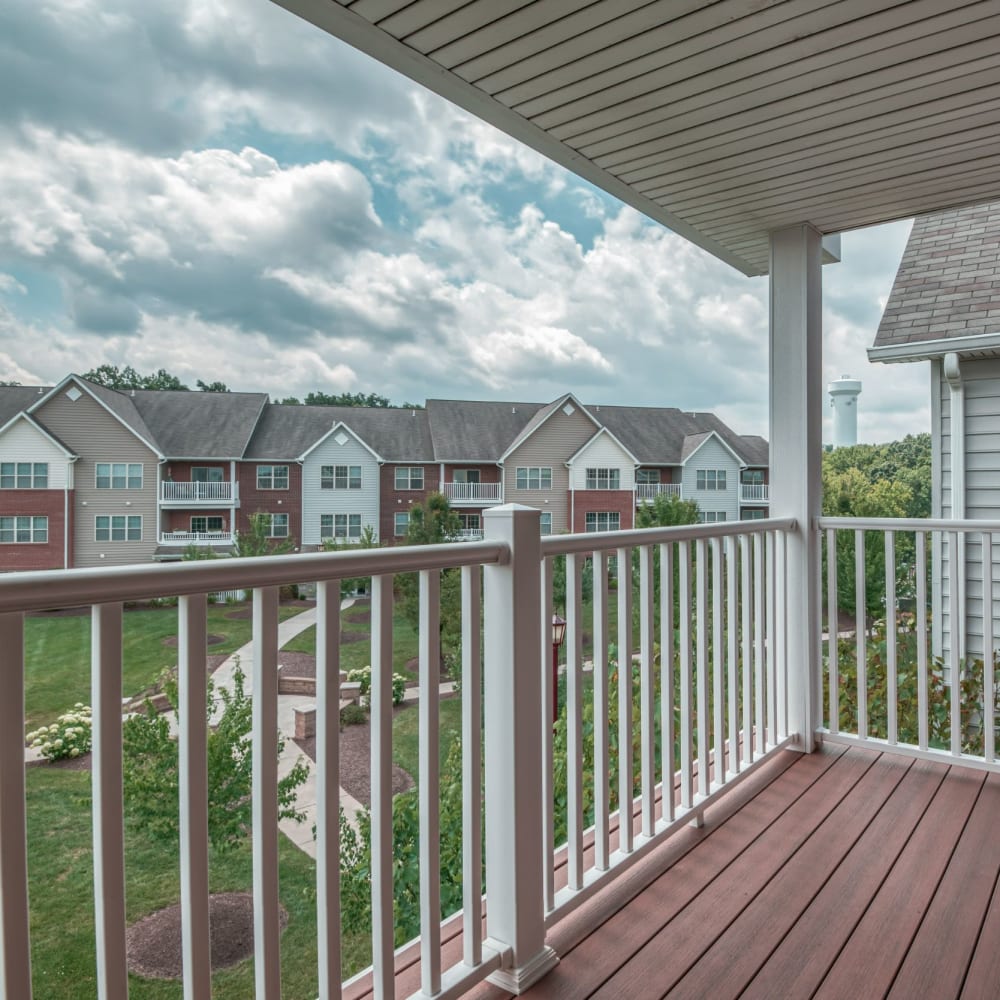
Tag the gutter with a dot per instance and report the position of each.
(923, 350)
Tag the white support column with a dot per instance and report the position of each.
(796, 393)
(514, 673)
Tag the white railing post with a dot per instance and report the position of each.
(513, 677)
(796, 391)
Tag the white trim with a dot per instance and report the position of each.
(924, 350)
(590, 441)
(24, 415)
(708, 437)
(340, 425)
(81, 383)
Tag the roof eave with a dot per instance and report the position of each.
(924, 350)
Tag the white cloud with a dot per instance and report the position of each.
(9, 285)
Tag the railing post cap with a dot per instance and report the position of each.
(509, 510)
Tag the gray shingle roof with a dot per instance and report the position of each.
(15, 398)
(288, 431)
(476, 431)
(122, 404)
(948, 282)
(200, 424)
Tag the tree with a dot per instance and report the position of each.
(258, 541)
(212, 386)
(151, 769)
(113, 377)
(666, 510)
(433, 523)
(289, 401)
(346, 399)
(368, 540)
(9, 381)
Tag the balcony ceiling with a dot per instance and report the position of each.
(721, 120)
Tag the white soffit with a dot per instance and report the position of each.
(721, 120)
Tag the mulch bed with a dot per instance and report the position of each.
(363, 616)
(355, 761)
(81, 763)
(154, 942)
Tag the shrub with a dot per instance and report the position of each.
(364, 676)
(68, 736)
(352, 715)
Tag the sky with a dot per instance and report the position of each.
(217, 188)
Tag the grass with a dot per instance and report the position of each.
(57, 654)
(406, 736)
(358, 654)
(61, 887)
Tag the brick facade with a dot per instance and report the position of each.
(584, 501)
(392, 500)
(180, 520)
(256, 501)
(180, 472)
(487, 473)
(38, 503)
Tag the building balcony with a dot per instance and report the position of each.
(196, 537)
(474, 494)
(712, 859)
(198, 494)
(647, 492)
(470, 534)
(758, 493)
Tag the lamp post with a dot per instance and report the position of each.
(558, 635)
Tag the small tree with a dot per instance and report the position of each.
(258, 541)
(151, 769)
(368, 540)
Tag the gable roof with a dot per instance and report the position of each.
(946, 294)
(603, 432)
(542, 415)
(287, 431)
(35, 425)
(200, 424)
(17, 398)
(340, 426)
(465, 430)
(119, 404)
(695, 442)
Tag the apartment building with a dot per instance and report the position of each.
(94, 476)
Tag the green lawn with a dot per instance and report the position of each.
(61, 886)
(57, 654)
(358, 653)
(406, 736)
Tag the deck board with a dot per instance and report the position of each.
(842, 873)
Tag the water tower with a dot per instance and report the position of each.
(844, 393)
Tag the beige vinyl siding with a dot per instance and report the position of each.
(550, 446)
(97, 436)
(981, 382)
(317, 501)
(24, 443)
(603, 452)
(713, 454)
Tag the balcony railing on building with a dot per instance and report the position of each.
(196, 537)
(474, 493)
(198, 493)
(695, 617)
(754, 493)
(650, 491)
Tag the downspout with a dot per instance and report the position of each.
(953, 375)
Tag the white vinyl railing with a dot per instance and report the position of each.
(717, 620)
(485, 492)
(703, 688)
(754, 493)
(198, 492)
(470, 534)
(894, 675)
(195, 537)
(650, 491)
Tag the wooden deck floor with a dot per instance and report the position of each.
(843, 873)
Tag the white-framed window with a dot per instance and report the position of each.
(340, 477)
(710, 479)
(603, 479)
(754, 515)
(711, 516)
(534, 478)
(203, 524)
(647, 477)
(409, 477)
(272, 477)
(401, 523)
(118, 475)
(340, 526)
(277, 525)
(603, 520)
(546, 522)
(118, 528)
(467, 475)
(24, 475)
(752, 477)
(23, 528)
(470, 522)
